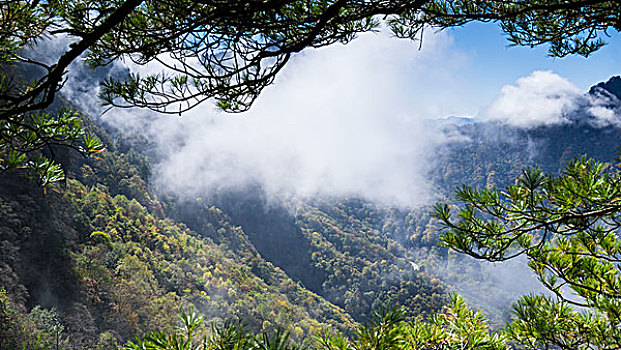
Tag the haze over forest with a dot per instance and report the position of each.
(373, 196)
(340, 121)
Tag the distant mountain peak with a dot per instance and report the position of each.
(610, 87)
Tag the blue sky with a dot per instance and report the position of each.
(493, 64)
(456, 72)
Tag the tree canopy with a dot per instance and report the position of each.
(568, 228)
(568, 26)
(230, 50)
(457, 327)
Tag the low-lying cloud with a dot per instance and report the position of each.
(545, 98)
(340, 121)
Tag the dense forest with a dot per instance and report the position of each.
(93, 261)
(517, 247)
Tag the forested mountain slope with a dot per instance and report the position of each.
(336, 249)
(102, 258)
(97, 255)
(360, 255)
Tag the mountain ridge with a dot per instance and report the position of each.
(106, 249)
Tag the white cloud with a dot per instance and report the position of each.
(542, 98)
(340, 121)
(604, 108)
(605, 116)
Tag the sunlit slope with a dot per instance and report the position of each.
(100, 249)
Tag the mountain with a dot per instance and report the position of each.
(103, 257)
(610, 88)
(360, 255)
(98, 255)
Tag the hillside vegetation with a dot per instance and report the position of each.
(95, 260)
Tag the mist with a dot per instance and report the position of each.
(340, 121)
(345, 121)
